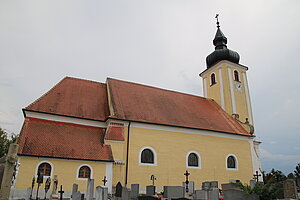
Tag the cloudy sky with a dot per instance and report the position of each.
(162, 43)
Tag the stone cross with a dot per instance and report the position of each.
(47, 185)
(104, 180)
(39, 181)
(256, 176)
(187, 180)
(54, 188)
(9, 170)
(32, 186)
(61, 193)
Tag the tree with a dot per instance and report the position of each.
(297, 171)
(5, 141)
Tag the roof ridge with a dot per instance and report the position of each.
(155, 87)
(57, 84)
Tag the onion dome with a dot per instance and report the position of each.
(221, 52)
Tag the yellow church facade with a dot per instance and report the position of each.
(126, 132)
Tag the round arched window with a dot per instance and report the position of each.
(45, 169)
(231, 162)
(84, 172)
(147, 156)
(193, 160)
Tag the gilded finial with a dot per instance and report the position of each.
(218, 23)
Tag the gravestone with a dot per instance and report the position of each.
(150, 190)
(134, 193)
(205, 185)
(174, 192)
(28, 193)
(90, 189)
(2, 166)
(77, 196)
(119, 188)
(200, 195)
(289, 189)
(147, 198)
(9, 171)
(125, 193)
(74, 189)
(54, 188)
(252, 183)
(191, 185)
(213, 193)
(101, 193)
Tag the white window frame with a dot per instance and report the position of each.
(236, 162)
(44, 161)
(154, 159)
(84, 179)
(187, 160)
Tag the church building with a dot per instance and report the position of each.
(120, 131)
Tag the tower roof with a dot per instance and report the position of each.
(221, 51)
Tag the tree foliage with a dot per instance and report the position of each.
(297, 171)
(5, 141)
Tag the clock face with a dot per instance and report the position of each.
(238, 87)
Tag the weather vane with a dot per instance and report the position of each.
(218, 23)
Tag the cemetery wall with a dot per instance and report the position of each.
(66, 171)
(172, 148)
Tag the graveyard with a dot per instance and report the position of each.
(47, 189)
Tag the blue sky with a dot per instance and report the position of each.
(159, 43)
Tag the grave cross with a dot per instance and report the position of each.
(61, 193)
(256, 175)
(104, 180)
(187, 180)
(32, 186)
(152, 178)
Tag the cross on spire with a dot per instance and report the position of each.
(218, 23)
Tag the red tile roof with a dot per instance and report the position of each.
(74, 97)
(115, 131)
(62, 140)
(136, 102)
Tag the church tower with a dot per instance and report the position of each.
(225, 80)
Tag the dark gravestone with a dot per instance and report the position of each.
(119, 190)
(147, 198)
(150, 190)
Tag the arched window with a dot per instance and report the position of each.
(231, 162)
(212, 79)
(147, 156)
(84, 172)
(45, 169)
(236, 75)
(193, 160)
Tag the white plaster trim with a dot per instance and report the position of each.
(77, 173)
(205, 87)
(44, 161)
(256, 164)
(187, 160)
(154, 154)
(231, 91)
(187, 130)
(221, 89)
(236, 162)
(215, 78)
(207, 71)
(116, 141)
(65, 119)
(109, 175)
(248, 102)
